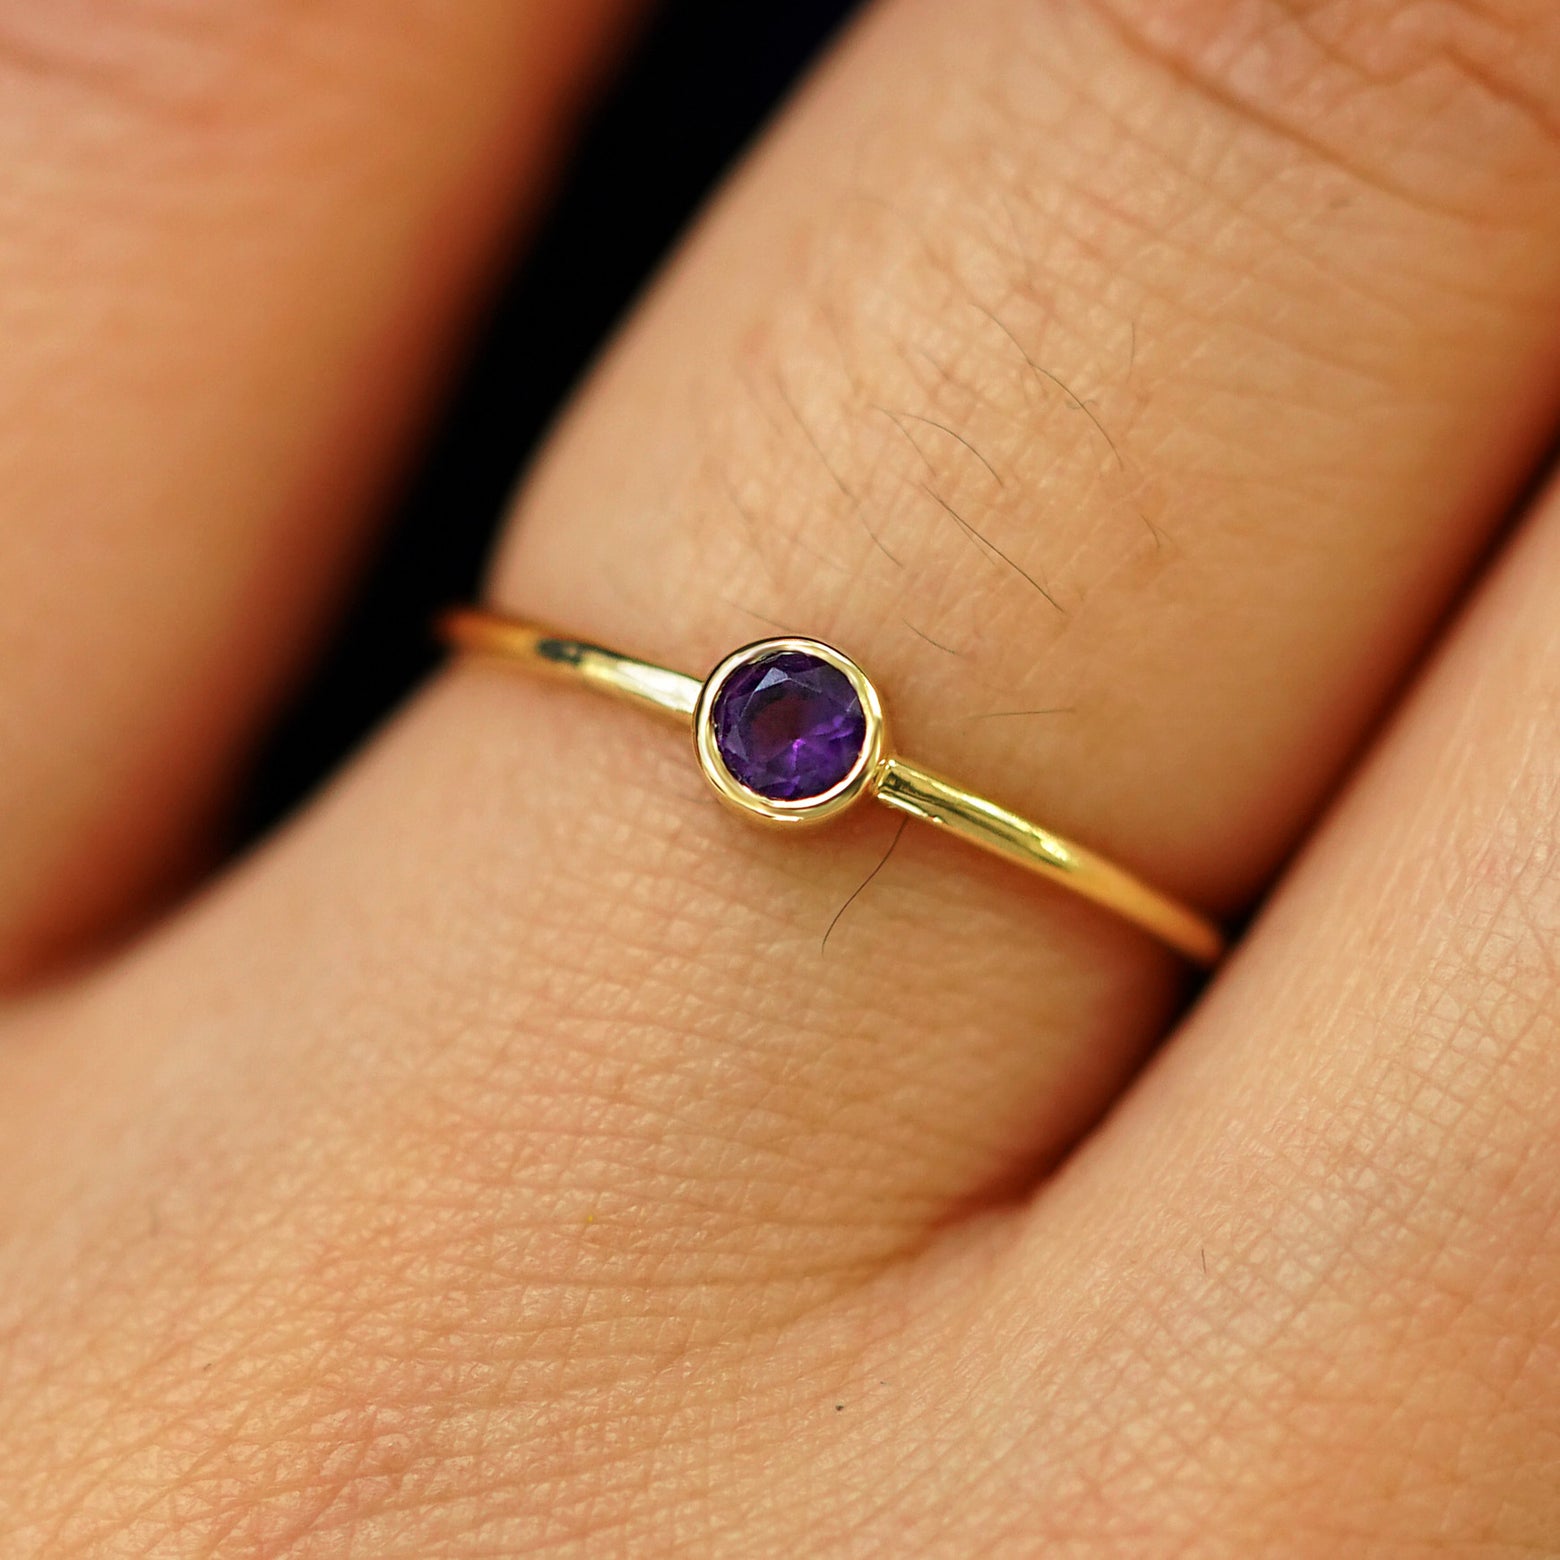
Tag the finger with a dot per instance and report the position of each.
(1113, 461)
(1311, 491)
(236, 245)
(520, 1045)
(1331, 1210)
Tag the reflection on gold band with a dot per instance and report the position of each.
(895, 782)
(540, 649)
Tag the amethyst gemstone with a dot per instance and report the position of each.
(788, 725)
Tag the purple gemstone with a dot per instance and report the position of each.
(789, 725)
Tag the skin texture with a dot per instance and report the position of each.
(500, 1161)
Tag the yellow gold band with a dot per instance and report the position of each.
(892, 780)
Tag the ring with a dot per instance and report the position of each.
(791, 731)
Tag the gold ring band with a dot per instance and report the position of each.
(774, 678)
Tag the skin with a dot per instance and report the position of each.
(499, 1161)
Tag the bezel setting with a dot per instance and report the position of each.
(835, 738)
(862, 777)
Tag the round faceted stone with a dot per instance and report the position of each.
(788, 725)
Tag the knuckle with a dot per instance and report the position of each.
(1473, 81)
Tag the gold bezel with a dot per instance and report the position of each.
(864, 773)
